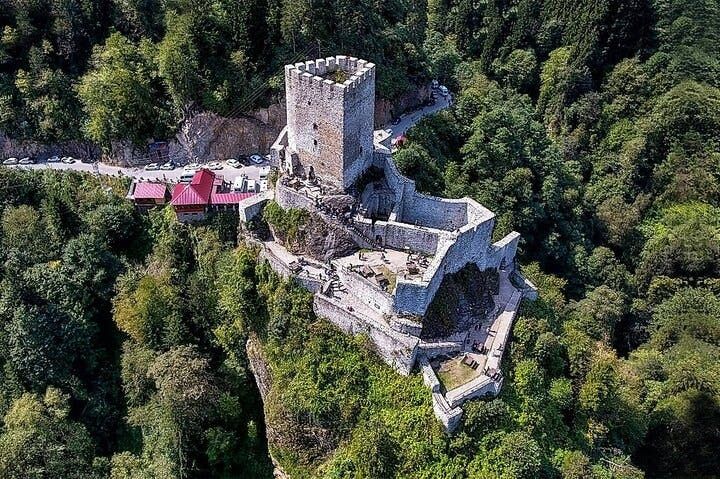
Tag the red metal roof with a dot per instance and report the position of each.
(204, 189)
(146, 191)
(228, 198)
(197, 192)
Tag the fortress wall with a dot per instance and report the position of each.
(289, 198)
(435, 212)
(251, 207)
(405, 326)
(401, 185)
(470, 246)
(367, 291)
(396, 349)
(358, 122)
(503, 251)
(432, 350)
(399, 236)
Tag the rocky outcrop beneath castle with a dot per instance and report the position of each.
(263, 379)
(317, 239)
(285, 432)
(462, 297)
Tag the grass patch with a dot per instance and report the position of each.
(454, 373)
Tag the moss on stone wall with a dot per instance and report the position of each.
(287, 224)
(305, 233)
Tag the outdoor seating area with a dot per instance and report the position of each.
(384, 267)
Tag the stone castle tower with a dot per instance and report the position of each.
(330, 118)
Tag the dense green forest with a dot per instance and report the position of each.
(591, 127)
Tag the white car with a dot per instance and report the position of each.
(26, 161)
(68, 160)
(187, 177)
(251, 186)
(193, 167)
(233, 162)
(443, 90)
(257, 159)
(152, 167)
(263, 185)
(169, 166)
(10, 161)
(53, 159)
(264, 172)
(215, 165)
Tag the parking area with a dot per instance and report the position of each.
(230, 173)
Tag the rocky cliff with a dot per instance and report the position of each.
(286, 433)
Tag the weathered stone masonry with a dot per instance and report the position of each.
(330, 124)
(331, 166)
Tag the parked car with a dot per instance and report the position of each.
(263, 185)
(396, 120)
(193, 167)
(233, 162)
(53, 159)
(169, 166)
(187, 177)
(86, 160)
(268, 157)
(264, 172)
(443, 90)
(26, 161)
(251, 186)
(68, 160)
(152, 167)
(257, 159)
(10, 161)
(215, 165)
(435, 84)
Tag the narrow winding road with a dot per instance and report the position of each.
(230, 173)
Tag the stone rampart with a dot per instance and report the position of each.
(251, 207)
(405, 326)
(433, 212)
(433, 350)
(367, 291)
(454, 252)
(449, 416)
(478, 387)
(502, 253)
(287, 198)
(401, 236)
(396, 349)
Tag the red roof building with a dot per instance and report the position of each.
(206, 193)
(147, 195)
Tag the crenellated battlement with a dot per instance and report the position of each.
(331, 105)
(312, 74)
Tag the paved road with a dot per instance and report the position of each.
(230, 173)
(409, 119)
(171, 176)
